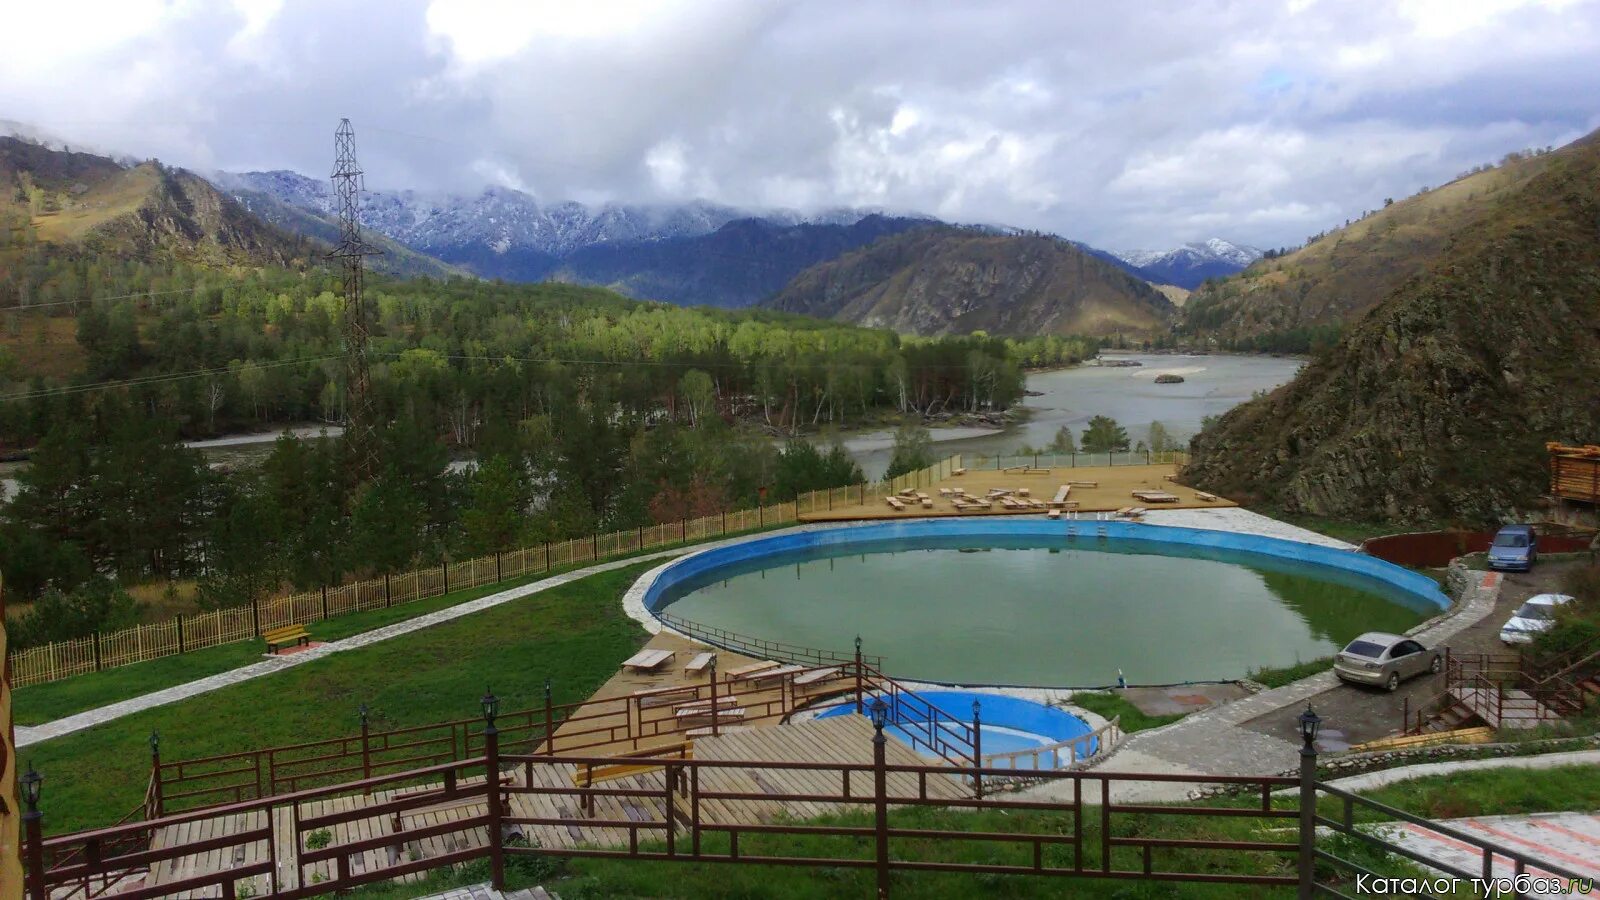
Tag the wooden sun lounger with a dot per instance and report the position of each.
(1155, 496)
(731, 714)
(909, 493)
(662, 697)
(816, 675)
(895, 504)
(779, 672)
(1209, 498)
(947, 492)
(705, 705)
(1053, 514)
(1023, 492)
(1015, 469)
(1060, 498)
(1093, 484)
(1035, 471)
(648, 660)
(958, 471)
(700, 663)
(927, 503)
(747, 671)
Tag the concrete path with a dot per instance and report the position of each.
(69, 724)
(485, 892)
(1568, 839)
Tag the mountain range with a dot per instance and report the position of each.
(695, 252)
(1190, 265)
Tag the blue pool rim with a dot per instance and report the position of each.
(1032, 717)
(1414, 584)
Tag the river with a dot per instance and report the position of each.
(1212, 385)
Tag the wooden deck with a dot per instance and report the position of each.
(841, 739)
(1112, 490)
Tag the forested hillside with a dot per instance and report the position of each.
(957, 281)
(1437, 403)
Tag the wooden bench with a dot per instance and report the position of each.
(663, 696)
(705, 705)
(895, 503)
(288, 634)
(1086, 484)
(587, 775)
(699, 663)
(817, 675)
(746, 671)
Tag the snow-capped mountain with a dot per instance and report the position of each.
(1190, 265)
(501, 220)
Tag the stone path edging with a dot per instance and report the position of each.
(1368, 781)
(28, 736)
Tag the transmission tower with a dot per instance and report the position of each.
(360, 430)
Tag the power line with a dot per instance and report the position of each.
(188, 290)
(160, 379)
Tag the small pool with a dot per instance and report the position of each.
(1009, 725)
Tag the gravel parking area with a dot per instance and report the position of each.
(1352, 714)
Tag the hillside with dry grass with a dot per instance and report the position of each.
(1436, 404)
(79, 202)
(943, 280)
(1293, 301)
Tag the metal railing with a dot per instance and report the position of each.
(759, 647)
(1059, 755)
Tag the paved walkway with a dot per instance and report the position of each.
(1568, 839)
(69, 724)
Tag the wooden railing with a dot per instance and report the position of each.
(186, 633)
(302, 844)
(632, 722)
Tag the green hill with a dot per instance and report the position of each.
(1437, 403)
(1300, 299)
(82, 202)
(945, 280)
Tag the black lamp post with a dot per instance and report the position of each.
(30, 784)
(1310, 723)
(365, 713)
(491, 708)
(156, 808)
(880, 716)
(977, 749)
(155, 743)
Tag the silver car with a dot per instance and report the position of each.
(1384, 660)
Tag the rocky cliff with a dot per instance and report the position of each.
(1436, 404)
(947, 280)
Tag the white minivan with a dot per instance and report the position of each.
(1536, 614)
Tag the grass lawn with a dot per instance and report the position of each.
(1111, 705)
(39, 703)
(575, 634)
(1273, 678)
(1487, 792)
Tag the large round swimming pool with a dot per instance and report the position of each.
(1024, 603)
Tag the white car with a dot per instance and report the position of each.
(1536, 614)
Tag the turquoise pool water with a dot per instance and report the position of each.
(1040, 609)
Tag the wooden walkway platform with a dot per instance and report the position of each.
(831, 741)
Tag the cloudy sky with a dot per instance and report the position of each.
(1260, 122)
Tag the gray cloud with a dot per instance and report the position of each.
(1124, 127)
